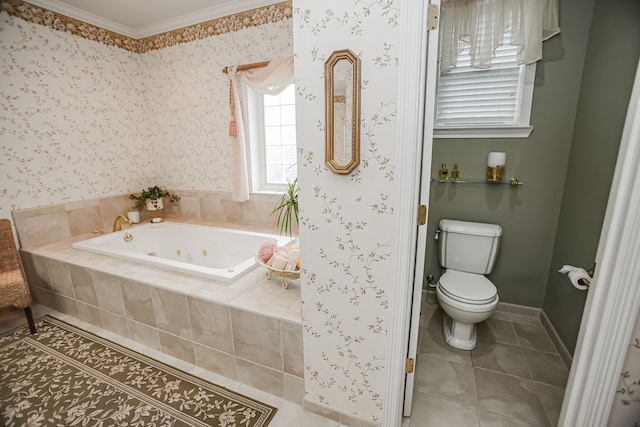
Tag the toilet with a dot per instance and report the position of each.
(467, 251)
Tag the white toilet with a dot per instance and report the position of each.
(468, 251)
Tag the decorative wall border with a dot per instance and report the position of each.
(227, 24)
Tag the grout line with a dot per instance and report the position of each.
(544, 408)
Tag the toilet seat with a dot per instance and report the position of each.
(469, 288)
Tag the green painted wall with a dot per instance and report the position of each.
(582, 91)
(611, 63)
(529, 214)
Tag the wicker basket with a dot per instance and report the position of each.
(283, 274)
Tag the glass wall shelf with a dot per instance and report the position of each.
(514, 182)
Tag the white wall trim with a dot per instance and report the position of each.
(84, 16)
(411, 86)
(226, 9)
(483, 132)
(611, 309)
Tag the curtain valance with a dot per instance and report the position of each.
(481, 25)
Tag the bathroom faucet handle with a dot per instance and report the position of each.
(99, 232)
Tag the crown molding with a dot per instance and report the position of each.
(61, 17)
(81, 15)
(228, 8)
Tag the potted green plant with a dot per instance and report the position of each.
(287, 209)
(152, 198)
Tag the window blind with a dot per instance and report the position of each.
(469, 96)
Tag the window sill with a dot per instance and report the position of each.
(483, 132)
(269, 192)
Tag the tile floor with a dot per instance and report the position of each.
(514, 377)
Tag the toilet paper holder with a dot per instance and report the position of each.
(574, 273)
(587, 282)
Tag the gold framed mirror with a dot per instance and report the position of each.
(342, 111)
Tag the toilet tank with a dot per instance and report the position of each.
(468, 246)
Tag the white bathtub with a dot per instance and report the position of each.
(210, 252)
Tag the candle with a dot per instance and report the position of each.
(496, 163)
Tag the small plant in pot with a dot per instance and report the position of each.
(287, 209)
(152, 198)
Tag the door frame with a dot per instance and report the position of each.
(409, 137)
(412, 73)
(428, 62)
(614, 298)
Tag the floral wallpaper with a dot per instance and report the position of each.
(80, 119)
(346, 221)
(626, 405)
(188, 99)
(247, 19)
(71, 117)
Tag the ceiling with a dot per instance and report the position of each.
(143, 18)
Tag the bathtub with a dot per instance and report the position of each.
(211, 252)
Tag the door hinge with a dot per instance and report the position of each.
(411, 363)
(433, 16)
(422, 214)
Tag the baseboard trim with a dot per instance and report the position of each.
(340, 417)
(566, 356)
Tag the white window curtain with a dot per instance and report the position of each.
(271, 80)
(481, 26)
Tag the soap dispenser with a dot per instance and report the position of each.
(443, 172)
(455, 173)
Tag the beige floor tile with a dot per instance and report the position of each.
(432, 316)
(534, 337)
(546, 367)
(294, 415)
(443, 378)
(497, 331)
(551, 397)
(491, 419)
(500, 357)
(432, 343)
(510, 396)
(431, 411)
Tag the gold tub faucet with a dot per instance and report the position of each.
(117, 222)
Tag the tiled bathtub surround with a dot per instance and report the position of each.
(38, 226)
(248, 331)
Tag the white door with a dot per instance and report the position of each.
(425, 186)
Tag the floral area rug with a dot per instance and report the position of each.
(64, 376)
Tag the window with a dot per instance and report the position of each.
(272, 128)
(489, 103)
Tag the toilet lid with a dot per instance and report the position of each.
(467, 287)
